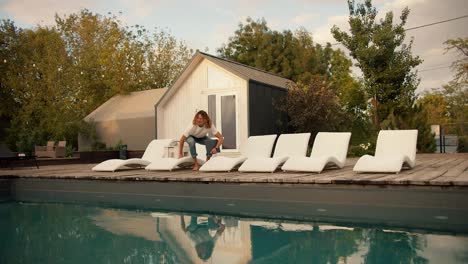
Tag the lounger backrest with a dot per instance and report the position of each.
(156, 149)
(397, 142)
(50, 145)
(259, 146)
(292, 145)
(62, 143)
(331, 144)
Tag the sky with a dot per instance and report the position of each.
(209, 23)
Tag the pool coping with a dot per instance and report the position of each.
(418, 208)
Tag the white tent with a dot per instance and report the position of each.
(129, 118)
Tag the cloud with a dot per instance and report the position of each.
(139, 9)
(42, 12)
(323, 34)
(302, 19)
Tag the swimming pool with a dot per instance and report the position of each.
(69, 233)
(77, 221)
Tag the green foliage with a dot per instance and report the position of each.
(460, 66)
(291, 55)
(435, 104)
(313, 107)
(414, 118)
(448, 105)
(462, 146)
(388, 66)
(51, 77)
(295, 56)
(362, 149)
(69, 150)
(384, 59)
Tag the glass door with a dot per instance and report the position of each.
(222, 109)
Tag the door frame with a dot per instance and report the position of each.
(218, 122)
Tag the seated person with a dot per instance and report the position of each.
(197, 133)
(200, 234)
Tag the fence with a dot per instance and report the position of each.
(451, 137)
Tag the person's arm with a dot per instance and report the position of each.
(181, 146)
(220, 142)
(220, 225)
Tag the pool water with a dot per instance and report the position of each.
(69, 233)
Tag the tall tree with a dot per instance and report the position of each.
(294, 56)
(385, 60)
(313, 107)
(110, 58)
(460, 66)
(52, 77)
(435, 104)
(9, 44)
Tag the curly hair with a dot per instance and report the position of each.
(204, 116)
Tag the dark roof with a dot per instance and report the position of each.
(248, 72)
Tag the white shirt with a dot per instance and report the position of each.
(200, 132)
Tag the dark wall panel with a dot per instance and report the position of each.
(264, 117)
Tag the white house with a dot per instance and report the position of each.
(240, 99)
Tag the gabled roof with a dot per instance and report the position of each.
(243, 71)
(248, 72)
(134, 105)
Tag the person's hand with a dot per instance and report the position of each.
(181, 155)
(214, 151)
(220, 230)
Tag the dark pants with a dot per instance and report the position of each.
(208, 142)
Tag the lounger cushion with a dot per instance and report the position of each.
(394, 149)
(391, 164)
(262, 164)
(171, 163)
(255, 147)
(308, 164)
(115, 164)
(329, 147)
(220, 163)
(176, 163)
(154, 151)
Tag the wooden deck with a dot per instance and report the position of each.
(431, 170)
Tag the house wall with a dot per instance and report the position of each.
(264, 116)
(176, 113)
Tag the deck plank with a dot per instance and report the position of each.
(430, 170)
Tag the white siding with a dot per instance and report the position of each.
(176, 113)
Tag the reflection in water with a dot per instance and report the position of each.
(57, 233)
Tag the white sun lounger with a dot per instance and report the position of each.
(154, 150)
(288, 145)
(256, 147)
(395, 148)
(169, 164)
(330, 148)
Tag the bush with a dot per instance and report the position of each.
(361, 150)
(462, 146)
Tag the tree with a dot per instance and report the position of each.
(448, 105)
(436, 106)
(291, 55)
(313, 107)
(385, 61)
(460, 66)
(110, 58)
(52, 77)
(295, 56)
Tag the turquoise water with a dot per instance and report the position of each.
(65, 233)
